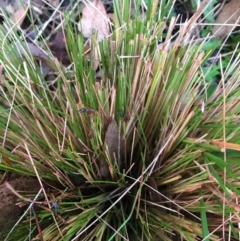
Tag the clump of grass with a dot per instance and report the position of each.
(174, 167)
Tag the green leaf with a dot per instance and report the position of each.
(204, 221)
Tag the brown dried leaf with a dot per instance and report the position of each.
(229, 15)
(104, 170)
(54, 3)
(7, 160)
(94, 16)
(58, 47)
(20, 15)
(112, 139)
(115, 147)
(37, 53)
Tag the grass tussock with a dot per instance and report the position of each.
(143, 153)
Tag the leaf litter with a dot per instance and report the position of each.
(227, 20)
(94, 17)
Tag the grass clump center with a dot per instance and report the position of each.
(141, 153)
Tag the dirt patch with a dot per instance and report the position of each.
(9, 209)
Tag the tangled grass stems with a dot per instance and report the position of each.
(174, 168)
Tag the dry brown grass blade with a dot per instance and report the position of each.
(227, 145)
